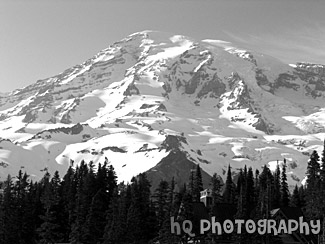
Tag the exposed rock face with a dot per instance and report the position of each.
(215, 87)
(176, 165)
(173, 142)
(318, 69)
(286, 80)
(308, 77)
(153, 99)
(314, 76)
(131, 90)
(74, 130)
(263, 81)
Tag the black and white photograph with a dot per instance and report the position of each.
(162, 121)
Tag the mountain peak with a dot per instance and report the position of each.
(221, 104)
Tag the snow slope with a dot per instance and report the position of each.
(215, 103)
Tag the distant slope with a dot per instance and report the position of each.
(217, 104)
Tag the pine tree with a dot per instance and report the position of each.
(82, 202)
(322, 168)
(112, 232)
(265, 204)
(161, 202)
(257, 187)
(49, 230)
(245, 202)
(241, 195)
(229, 193)
(104, 185)
(21, 189)
(302, 196)
(134, 213)
(313, 170)
(313, 200)
(191, 186)
(2, 225)
(68, 189)
(295, 198)
(284, 186)
(185, 210)
(216, 189)
(172, 198)
(148, 218)
(141, 225)
(266, 188)
(277, 187)
(250, 191)
(9, 215)
(96, 219)
(33, 211)
(116, 218)
(322, 182)
(165, 236)
(198, 185)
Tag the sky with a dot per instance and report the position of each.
(42, 38)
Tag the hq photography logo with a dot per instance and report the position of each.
(262, 226)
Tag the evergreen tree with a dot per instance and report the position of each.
(9, 215)
(33, 211)
(141, 225)
(172, 198)
(164, 234)
(277, 187)
(322, 182)
(68, 201)
(112, 232)
(241, 195)
(161, 202)
(49, 230)
(265, 204)
(96, 219)
(104, 184)
(185, 211)
(2, 226)
(242, 204)
(266, 188)
(284, 186)
(257, 187)
(322, 168)
(313, 199)
(198, 185)
(250, 191)
(229, 193)
(23, 209)
(83, 197)
(134, 214)
(295, 198)
(216, 189)
(116, 219)
(191, 186)
(302, 197)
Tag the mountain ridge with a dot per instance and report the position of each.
(232, 106)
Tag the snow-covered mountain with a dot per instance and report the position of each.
(160, 102)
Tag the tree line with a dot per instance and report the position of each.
(88, 205)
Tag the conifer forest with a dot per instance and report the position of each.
(87, 205)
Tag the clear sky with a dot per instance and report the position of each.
(41, 38)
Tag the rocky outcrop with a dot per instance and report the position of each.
(215, 87)
(286, 80)
(175, 165)
(173, 142)
(314, 76)
(131, 90)
(74, 130)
